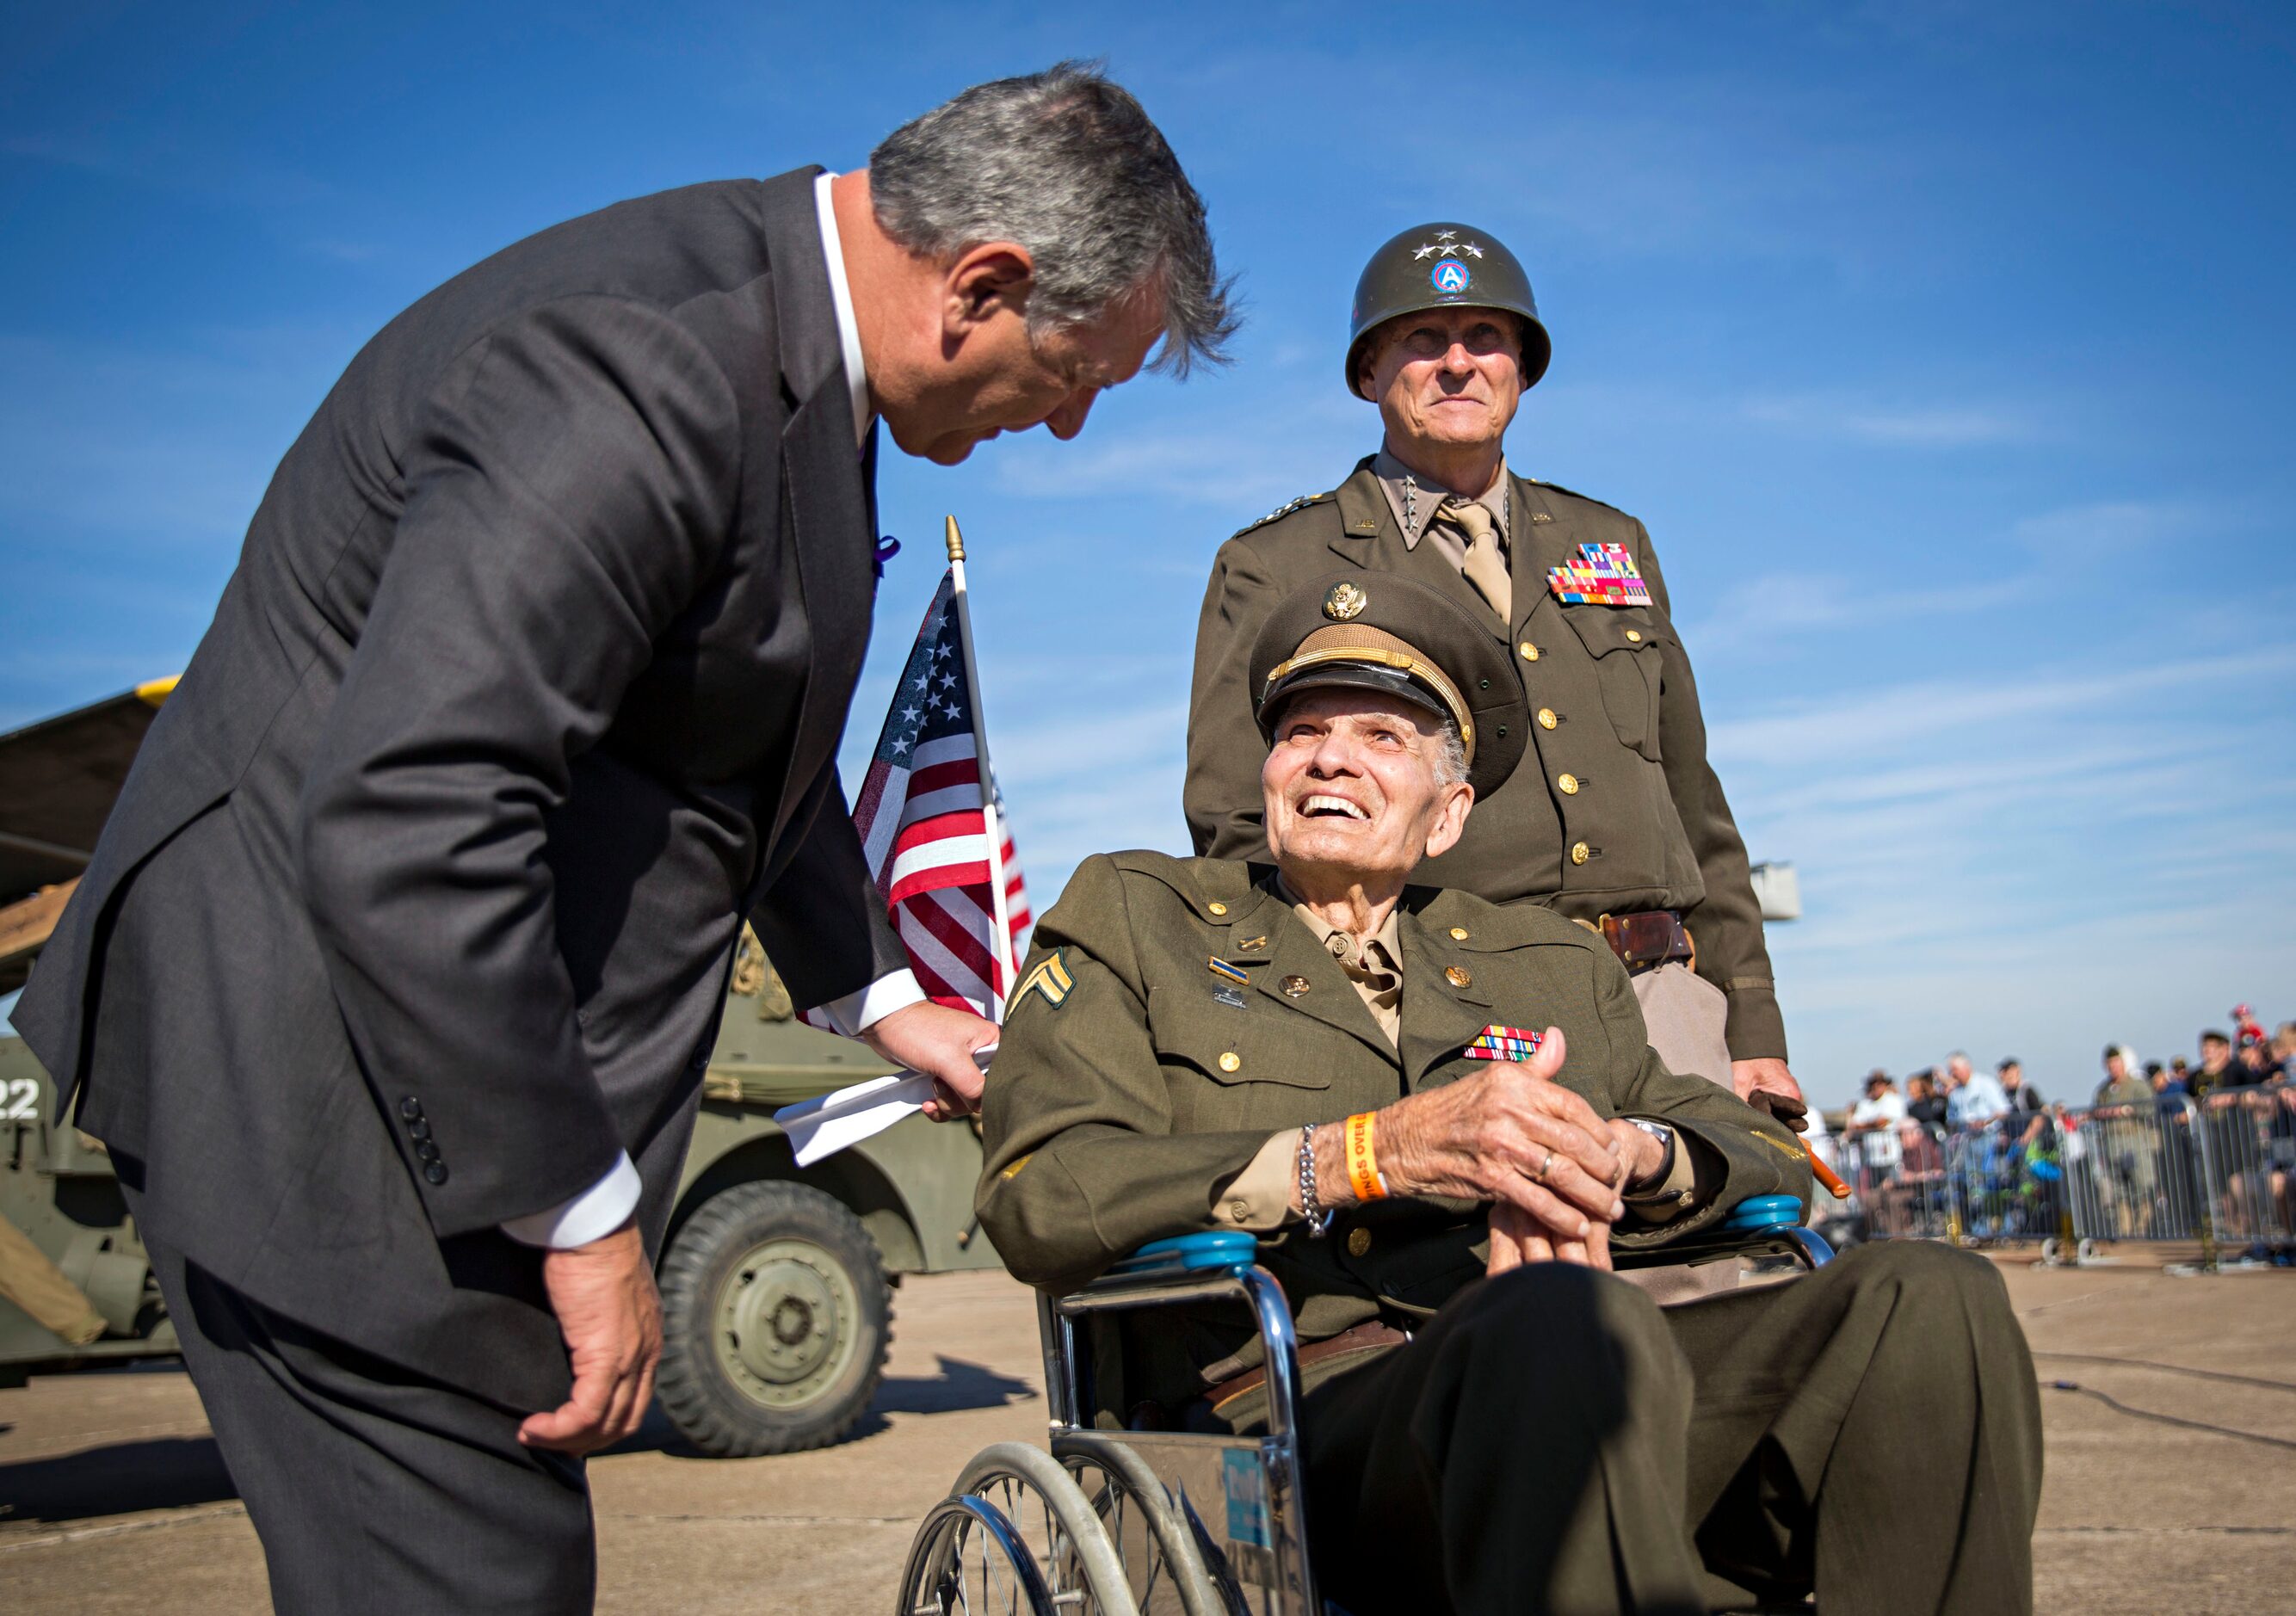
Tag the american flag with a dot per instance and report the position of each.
(921, 823)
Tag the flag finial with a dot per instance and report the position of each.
(955, 542)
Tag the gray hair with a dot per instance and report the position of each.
(1066, 164)
(1450, 755)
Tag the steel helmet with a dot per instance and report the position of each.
(1445, 265)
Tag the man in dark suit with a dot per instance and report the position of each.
(391, 981)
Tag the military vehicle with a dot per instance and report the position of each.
(776, 1280)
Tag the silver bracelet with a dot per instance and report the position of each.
(1319, 1218)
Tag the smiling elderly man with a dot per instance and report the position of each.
(1323, 1053)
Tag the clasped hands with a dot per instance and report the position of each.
(1552, 1170)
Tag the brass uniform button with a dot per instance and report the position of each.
(1529, 652)
(1229, 1061)
(1458, 934)
(1546, 719)
(1296, 985)
(1359, 1241)
(1568, 783)
(1578, 852)
(1458, 976)
(1216, 908)
(1633, 636)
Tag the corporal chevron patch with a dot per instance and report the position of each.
(1050, 980)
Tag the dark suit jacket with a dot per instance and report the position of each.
(417, 905)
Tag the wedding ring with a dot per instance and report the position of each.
(1540, 1176)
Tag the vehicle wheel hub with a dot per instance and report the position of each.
(785, 1322)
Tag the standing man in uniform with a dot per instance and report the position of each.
(393, 977)
(1616, 819)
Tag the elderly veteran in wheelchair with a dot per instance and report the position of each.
(1443, 1119)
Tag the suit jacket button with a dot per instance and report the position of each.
(426, 1151)
(418, 1130)
(436, 1172)
(410, 1108)
(1358, 1241)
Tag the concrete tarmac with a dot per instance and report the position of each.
(2171, 1464)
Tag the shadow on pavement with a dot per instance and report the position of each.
(959, 1385)
(118, 1480)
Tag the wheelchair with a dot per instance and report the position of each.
(1177, 1523)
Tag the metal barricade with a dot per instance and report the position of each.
(2219, 1172)
(2245, 1139)
(2007, 1180)
(1898, 1183)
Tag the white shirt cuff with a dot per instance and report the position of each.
(857, 1012)
(591, 1215)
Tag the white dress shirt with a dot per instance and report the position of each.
(606, 1205)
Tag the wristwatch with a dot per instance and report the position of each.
(1657, 1176)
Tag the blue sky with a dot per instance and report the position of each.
(1945, 348)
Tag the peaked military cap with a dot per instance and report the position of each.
(1445, 265)
(1375, 631)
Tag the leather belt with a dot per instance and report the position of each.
(1360, 1339)
(1646, 940)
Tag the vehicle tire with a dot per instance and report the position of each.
(775, 1319)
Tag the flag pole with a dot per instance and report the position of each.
(990, 821)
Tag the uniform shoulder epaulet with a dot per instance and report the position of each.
(1557, 488)
(1280, 511)
(1200, 882)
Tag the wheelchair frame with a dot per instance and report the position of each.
(1256, 1544)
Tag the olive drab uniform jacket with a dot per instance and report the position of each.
(1133, 1083)
(1614, 809)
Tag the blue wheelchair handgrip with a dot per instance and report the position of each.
(1762, 1212)
(1207, 1248)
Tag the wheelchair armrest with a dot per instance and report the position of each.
(1761, 1226)
(1182, 1257)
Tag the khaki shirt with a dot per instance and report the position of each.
(1414, 504)
(1614, 807)
(1132, 1089)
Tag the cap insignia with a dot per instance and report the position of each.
(1345, 602)
(1451, 277)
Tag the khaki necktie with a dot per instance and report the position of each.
(1486, 567)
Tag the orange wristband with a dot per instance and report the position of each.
(1362, 1166)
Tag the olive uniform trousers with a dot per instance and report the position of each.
(1553, 1441)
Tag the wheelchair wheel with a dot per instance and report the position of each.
(1155, 1546)
(1057, 1525)
(967, 1556)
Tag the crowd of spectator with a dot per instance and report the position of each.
(2160, 1148)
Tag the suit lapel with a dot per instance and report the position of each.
(1544, 538)
(827, 500)
(1294, 955)
(1439, 1015)
(1363, 515)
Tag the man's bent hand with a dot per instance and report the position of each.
(938, 1042)
(610, 1315)
(1767, 1086)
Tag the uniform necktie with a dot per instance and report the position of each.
(1485, 567)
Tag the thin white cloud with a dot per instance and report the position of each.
(2111, 526)
(1897, 425)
